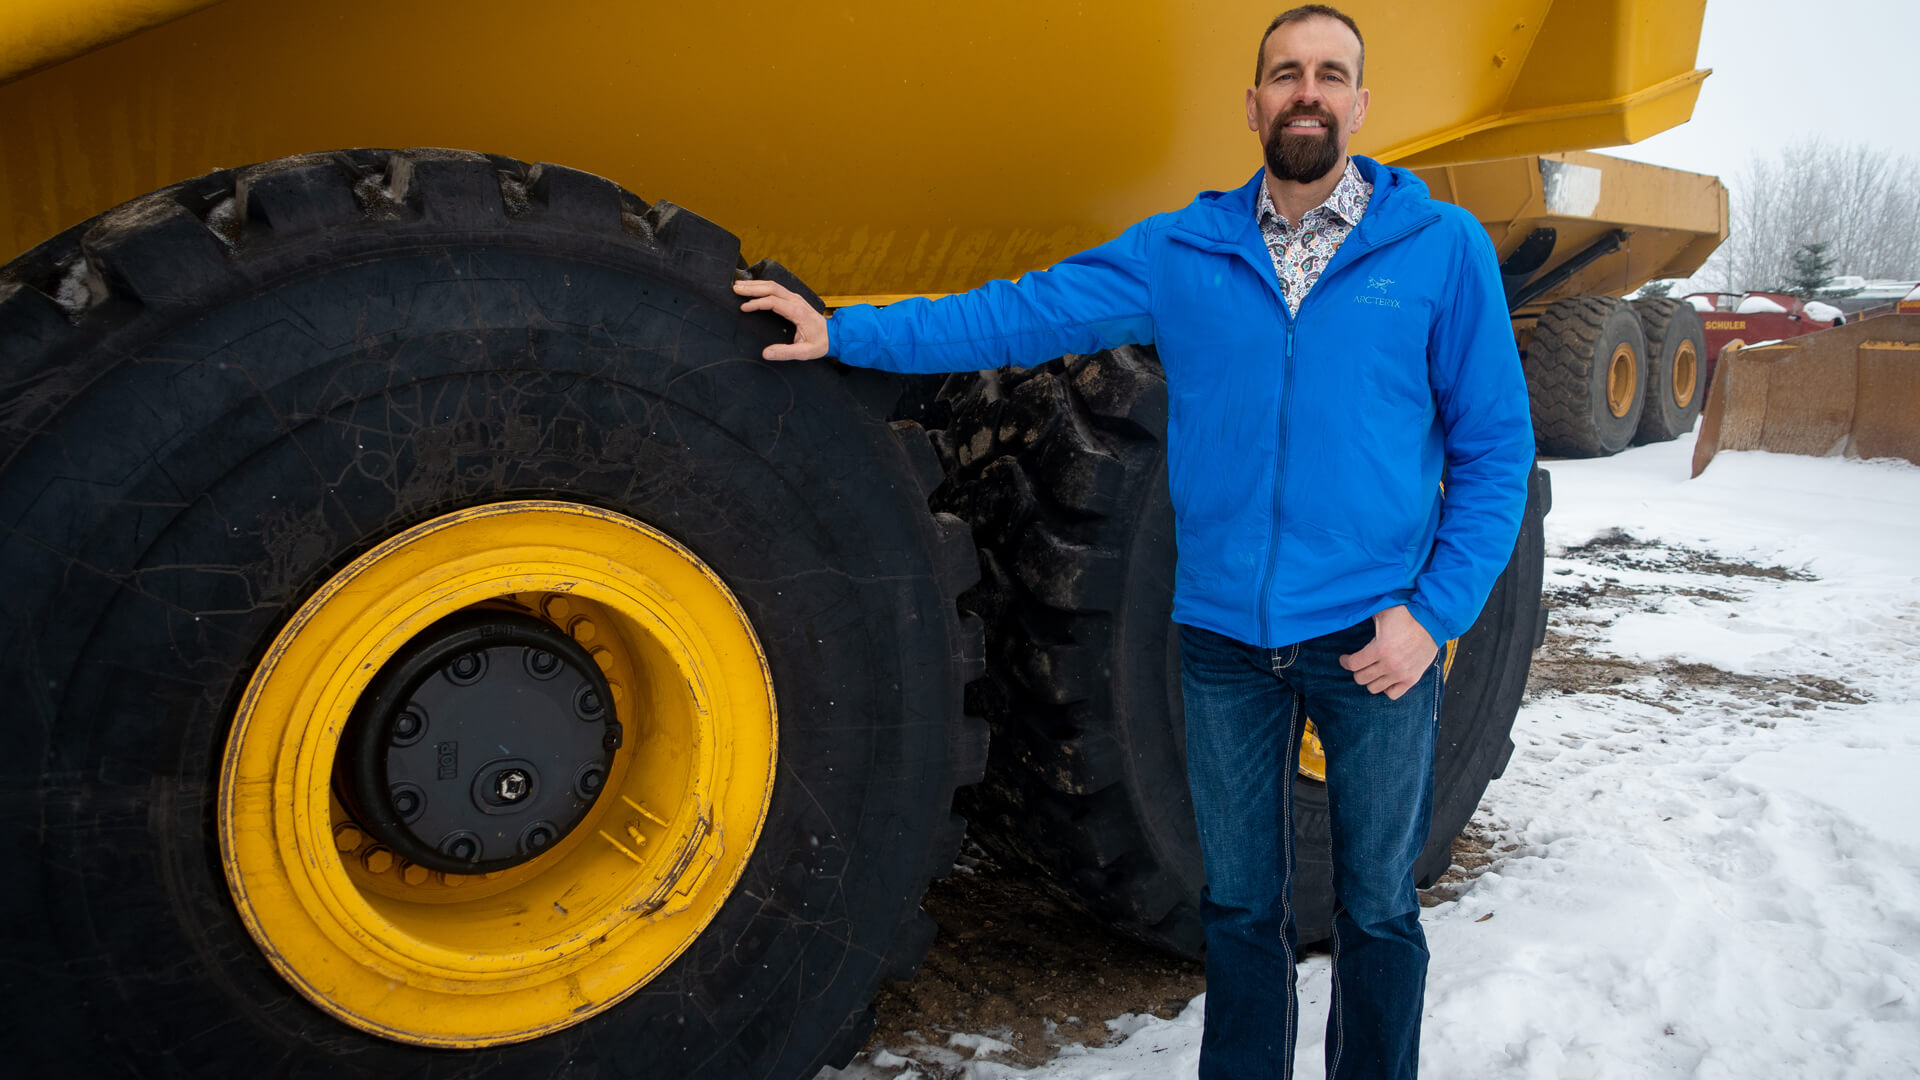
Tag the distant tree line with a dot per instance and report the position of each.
(1861, 206)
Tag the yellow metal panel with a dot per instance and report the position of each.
(875, 147)
(42, 32)
(1600, 73)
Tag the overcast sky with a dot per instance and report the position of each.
(1848, 70)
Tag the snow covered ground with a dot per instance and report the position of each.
(1705, 853)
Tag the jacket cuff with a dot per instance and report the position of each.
(1430, 623)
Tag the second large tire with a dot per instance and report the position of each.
(226, 400)
(1061, 471)
(1676, 377)
(1586, 377)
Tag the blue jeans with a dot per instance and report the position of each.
(1245, 708)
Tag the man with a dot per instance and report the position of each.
(1331, 339)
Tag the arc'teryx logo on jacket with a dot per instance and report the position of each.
(1304, 454)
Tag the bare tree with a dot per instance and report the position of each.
(1862, 203)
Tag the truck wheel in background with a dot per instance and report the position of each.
(1676, 377)
(304, 469)
(1061, 470)
(1586, 371)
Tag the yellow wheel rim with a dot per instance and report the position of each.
(1686, 374)
(1313, 753)
(467, 961)
(1623, 381)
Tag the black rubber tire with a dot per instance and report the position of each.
(1567, 364)
(1669, 326)
(259, 375)
(1061, 471)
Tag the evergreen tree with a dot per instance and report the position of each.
(1655, 290)
(1812, 274)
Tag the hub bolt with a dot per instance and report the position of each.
(542, 664)
(511, 785)
(587, 704)
(406, 801)
(408, 725)
(591, 781)
(466, 668)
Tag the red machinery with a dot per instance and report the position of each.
(1750, 318)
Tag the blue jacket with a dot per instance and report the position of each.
(1304, 455)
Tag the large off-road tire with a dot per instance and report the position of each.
(1061, 470)
(1676, 376)
(1586, 377)
(261, 432)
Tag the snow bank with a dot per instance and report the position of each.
(1701, 303)
(1759, 305)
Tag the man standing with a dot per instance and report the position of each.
(1332, 339)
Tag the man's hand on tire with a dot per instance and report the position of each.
(1397, 656)
(809, 326)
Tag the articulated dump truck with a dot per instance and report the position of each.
(436, 644)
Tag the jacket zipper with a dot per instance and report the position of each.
(1279, 484)
(1264, 599)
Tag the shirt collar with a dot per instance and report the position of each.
(1347, 201)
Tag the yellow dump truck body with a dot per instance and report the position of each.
(875, 148)
(1672, 220)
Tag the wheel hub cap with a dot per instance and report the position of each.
(479, 745)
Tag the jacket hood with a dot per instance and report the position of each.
(1399, 200)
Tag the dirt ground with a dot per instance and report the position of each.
(1014, 962)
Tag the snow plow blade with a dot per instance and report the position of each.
(1852, 390)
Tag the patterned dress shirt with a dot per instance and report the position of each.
(1300, 253)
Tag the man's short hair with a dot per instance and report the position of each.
(1308, 11)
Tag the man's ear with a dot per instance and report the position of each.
(1253, 124)
(1360, 108)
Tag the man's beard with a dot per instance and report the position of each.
(1302, 159)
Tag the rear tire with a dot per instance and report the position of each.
(1061, 472)
(1586, 377)
(1676, 372)
(257, 376)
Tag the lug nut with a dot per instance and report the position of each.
(377, 860)
(347, 838)
(414, 875)
(464, 846)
